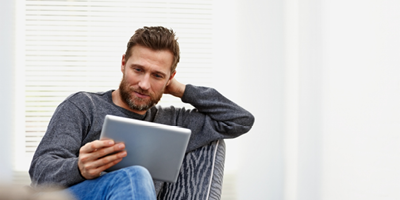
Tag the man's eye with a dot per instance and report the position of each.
(158, 76)
(137, 69)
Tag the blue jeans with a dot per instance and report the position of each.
(128, 183)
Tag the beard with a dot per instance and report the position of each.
(137, 103)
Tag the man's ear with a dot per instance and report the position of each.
(123, 62)
(171, 77)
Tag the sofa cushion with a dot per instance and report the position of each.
(201, 175)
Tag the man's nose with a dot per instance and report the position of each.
(144, 83)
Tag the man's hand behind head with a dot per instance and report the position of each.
(175, 88)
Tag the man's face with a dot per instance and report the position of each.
(146, 73)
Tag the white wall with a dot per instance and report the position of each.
(322, 78)
(248, 70)
(361, 126)
(260, 60)
(6, 88)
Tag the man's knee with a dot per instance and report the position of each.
(137, 172)
(141, 182)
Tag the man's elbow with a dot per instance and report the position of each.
(244, 125)
(248, 121)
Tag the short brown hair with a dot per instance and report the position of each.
(155, 38)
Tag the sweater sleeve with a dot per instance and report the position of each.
(214, 117)
(55, 161)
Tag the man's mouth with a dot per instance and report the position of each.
(141, 95)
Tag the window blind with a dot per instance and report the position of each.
(65, 46)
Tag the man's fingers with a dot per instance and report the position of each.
(106, 160)
(109, 150)
(93, 156)
(95, 145)
(108, 165)
(99, 155)
(110, 158)
(91, 170)
(94, 173)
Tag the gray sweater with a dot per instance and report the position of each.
(79, 119)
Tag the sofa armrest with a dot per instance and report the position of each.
(201, 175)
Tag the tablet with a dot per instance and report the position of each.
(157, 147)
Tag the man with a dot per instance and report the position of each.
(70, 154)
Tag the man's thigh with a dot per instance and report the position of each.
(128, 183)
